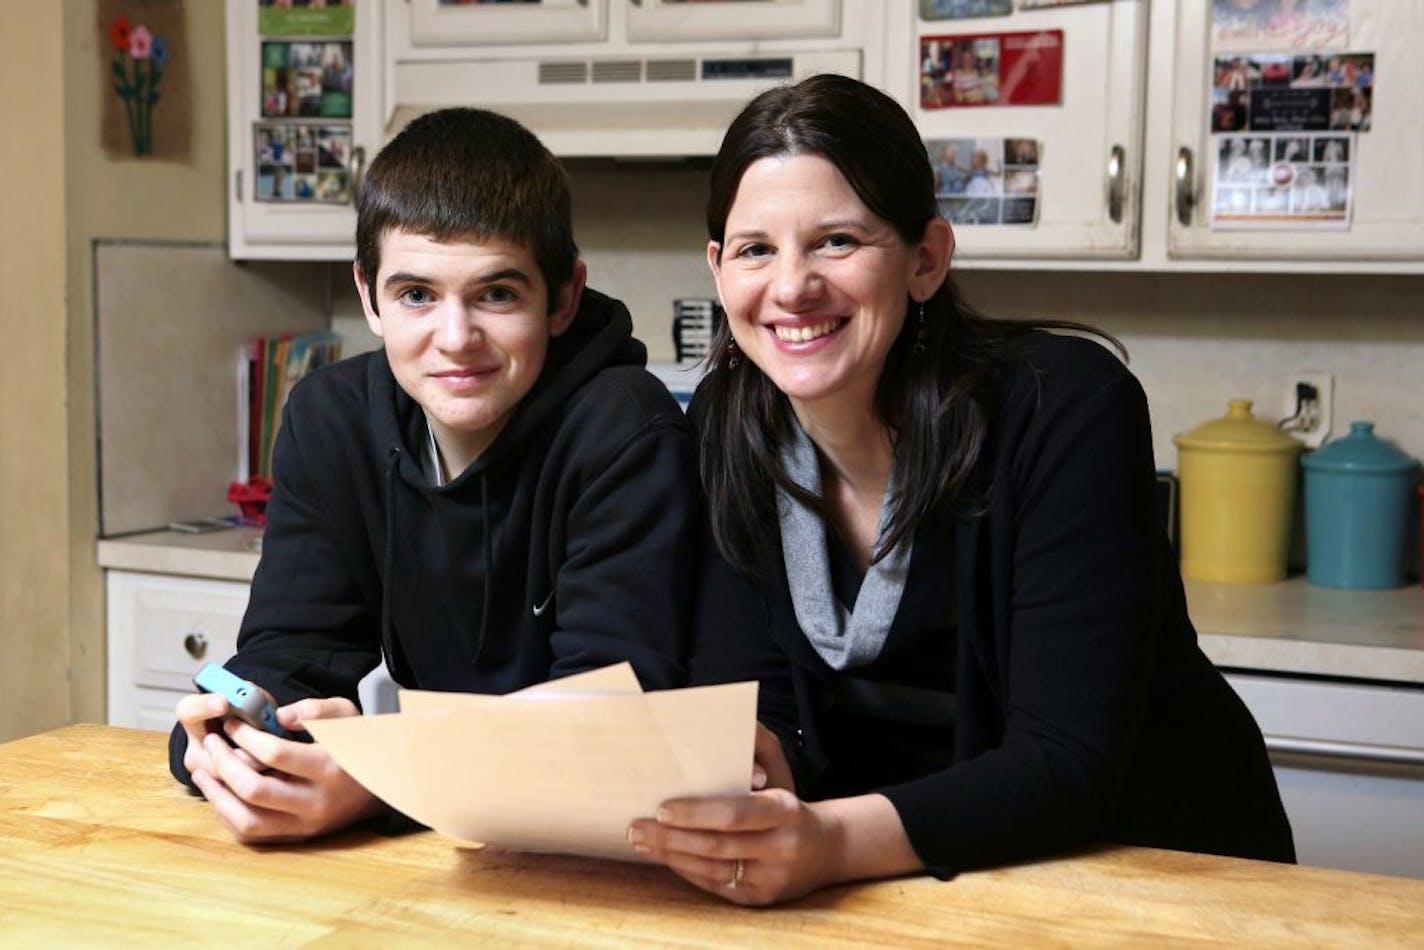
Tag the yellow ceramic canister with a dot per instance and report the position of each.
(1238, 477)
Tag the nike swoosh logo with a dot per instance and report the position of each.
(539, 609)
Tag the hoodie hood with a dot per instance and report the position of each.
(428, 522)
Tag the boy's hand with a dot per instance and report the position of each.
(271, 790)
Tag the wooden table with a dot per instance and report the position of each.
(98, 846)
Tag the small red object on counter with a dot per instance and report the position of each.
(251, 498)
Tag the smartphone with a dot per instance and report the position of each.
(248, 703)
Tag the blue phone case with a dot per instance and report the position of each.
(247, 701)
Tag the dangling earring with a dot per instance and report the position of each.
(734, 355)
(922, 333)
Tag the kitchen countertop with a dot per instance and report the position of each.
(230, 554)
(1296, 627)
(1287, 627)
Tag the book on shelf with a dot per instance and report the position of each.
(267, 370)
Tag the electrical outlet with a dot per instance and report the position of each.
(1304, 417)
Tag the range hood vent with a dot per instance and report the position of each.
(611, 107)
(618, 70)
(562, 72)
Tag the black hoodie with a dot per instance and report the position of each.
(567, 545)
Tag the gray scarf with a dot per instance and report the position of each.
(844, 639)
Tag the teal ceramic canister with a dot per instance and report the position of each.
(1359, 490)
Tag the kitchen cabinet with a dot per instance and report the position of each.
(1387, 178)
(320, 151)
(436, 24)
(599, 78)
(1089, 144)
(1156, 108)
(1349, 760)
(162, 629)
(620, 78)
(175, 601)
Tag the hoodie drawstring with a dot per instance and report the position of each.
(489, 565)
(388, 640)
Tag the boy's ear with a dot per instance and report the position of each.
(566, 304)
(373, 319)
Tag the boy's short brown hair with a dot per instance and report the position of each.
(468, 174)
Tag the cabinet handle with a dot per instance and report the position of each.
(1358, 751)
(196, 644)
(358, 172)
(1186, 191)
(1116, 160)
(237, 185)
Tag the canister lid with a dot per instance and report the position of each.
(1238, 431)
(1361, 451)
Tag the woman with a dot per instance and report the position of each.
(938, 549)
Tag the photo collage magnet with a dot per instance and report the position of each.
(302, 145)
(1289, 101)
(1282, 179)
(1247, 26)
(1293, 92)
(986, 181)
(303, 161)
(306, 79)
(993, 69)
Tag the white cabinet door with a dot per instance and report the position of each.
(673, 20)
(437, 23)
(1089, 152)
(1387, 177)
(1349, 760)
(307, 226)
(161, 630)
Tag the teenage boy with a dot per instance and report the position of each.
(499, 496)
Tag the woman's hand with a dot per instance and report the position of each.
(770, 846)
(269, 790)
(784, 848)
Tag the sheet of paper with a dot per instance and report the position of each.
(618, 678)
(564, 767)
(374, 750)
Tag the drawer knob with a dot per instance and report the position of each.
(196, 644)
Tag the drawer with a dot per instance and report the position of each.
(1335, 712)
(177, 624)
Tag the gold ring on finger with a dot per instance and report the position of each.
(738, 869)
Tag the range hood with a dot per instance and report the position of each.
(627, 106)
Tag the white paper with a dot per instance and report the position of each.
(565, 766)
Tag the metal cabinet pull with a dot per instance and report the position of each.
(358, 172)
(1116, 184)
(1358, 751)
(196, 644)
(237, 184)
(1186, 186)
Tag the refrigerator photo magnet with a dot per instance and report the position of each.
(986, 181)
(964, 9)
(1279, 25)
(306, 79)
(991, 69)
(1282, 180)
(302, 162)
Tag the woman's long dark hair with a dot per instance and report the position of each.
(938, 403)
